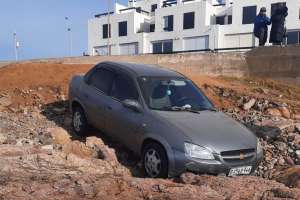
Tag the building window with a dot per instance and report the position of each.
(249, 14)
(153, 7)
(152, 28)
(157, 47)
(123, 28)
(168, 21)
(162, 47)
(274, 6)
(188, 20)
(293, 37)
(229, 19)
(105, 32)
(220, 20)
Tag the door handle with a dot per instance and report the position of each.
(109, 108)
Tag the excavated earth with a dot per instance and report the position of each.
(41, 157)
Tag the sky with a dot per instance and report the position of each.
(41, 26)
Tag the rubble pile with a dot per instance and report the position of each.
(272, 122)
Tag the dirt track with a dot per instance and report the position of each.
(41, 158)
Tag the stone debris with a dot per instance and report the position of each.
(249, 104)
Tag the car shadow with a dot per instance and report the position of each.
(59, 113)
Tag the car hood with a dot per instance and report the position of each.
(214, 130)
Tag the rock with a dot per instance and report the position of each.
(5, 101)
(104, 152)
(285, 112)
(249, 104)
(289, 160)
(281, 146)
(47, 147)
(297, 127)
(273, 112)
(59, 136)
(3, 138)
(290, 177)
(272, 129)
(296, 116)
(298, 154)
(79, 149)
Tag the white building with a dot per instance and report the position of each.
(163, 26)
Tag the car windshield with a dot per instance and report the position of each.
(165, 93)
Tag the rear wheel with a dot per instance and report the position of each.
(79, 121)
(155, 161)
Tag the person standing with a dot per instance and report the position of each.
(261, 23)
(278, 30)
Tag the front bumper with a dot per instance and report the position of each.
(214, 167)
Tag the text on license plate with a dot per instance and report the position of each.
(240, 171)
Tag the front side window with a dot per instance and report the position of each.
(249, 14)
(123, 28)
(123, 88)
(101, 79)
(164, 93)
(188, 20)
(168, 21)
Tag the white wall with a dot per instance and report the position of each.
(219, 36)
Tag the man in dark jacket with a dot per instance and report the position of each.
(261, 23)
(278, 31)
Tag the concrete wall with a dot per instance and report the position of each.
(271, 62)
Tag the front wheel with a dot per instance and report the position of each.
(155, 161)
(79, 122)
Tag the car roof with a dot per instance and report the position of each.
(145, 70)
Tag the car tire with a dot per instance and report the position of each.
(79, 121)
(155, 161)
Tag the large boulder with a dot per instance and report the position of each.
(79, 149)
(59, 136)
(290, 177)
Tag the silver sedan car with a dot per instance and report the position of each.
(164, 118)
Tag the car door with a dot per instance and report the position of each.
(123, 122)
(95, 94)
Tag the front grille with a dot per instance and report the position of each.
(238, 155)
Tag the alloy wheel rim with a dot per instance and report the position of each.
(77, 121)
(152, 163)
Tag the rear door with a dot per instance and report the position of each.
(122, 122)
(96, 95)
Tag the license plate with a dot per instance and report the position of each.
(240, 171)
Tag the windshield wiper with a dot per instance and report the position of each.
(209, 109)
(183, 108)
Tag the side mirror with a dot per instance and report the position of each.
(133, 105)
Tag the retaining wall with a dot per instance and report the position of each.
(272, 62)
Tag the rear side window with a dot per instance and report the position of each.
(123, 88)
(102, 79)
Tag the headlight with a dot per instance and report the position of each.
(195, 151)
(259, 147)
